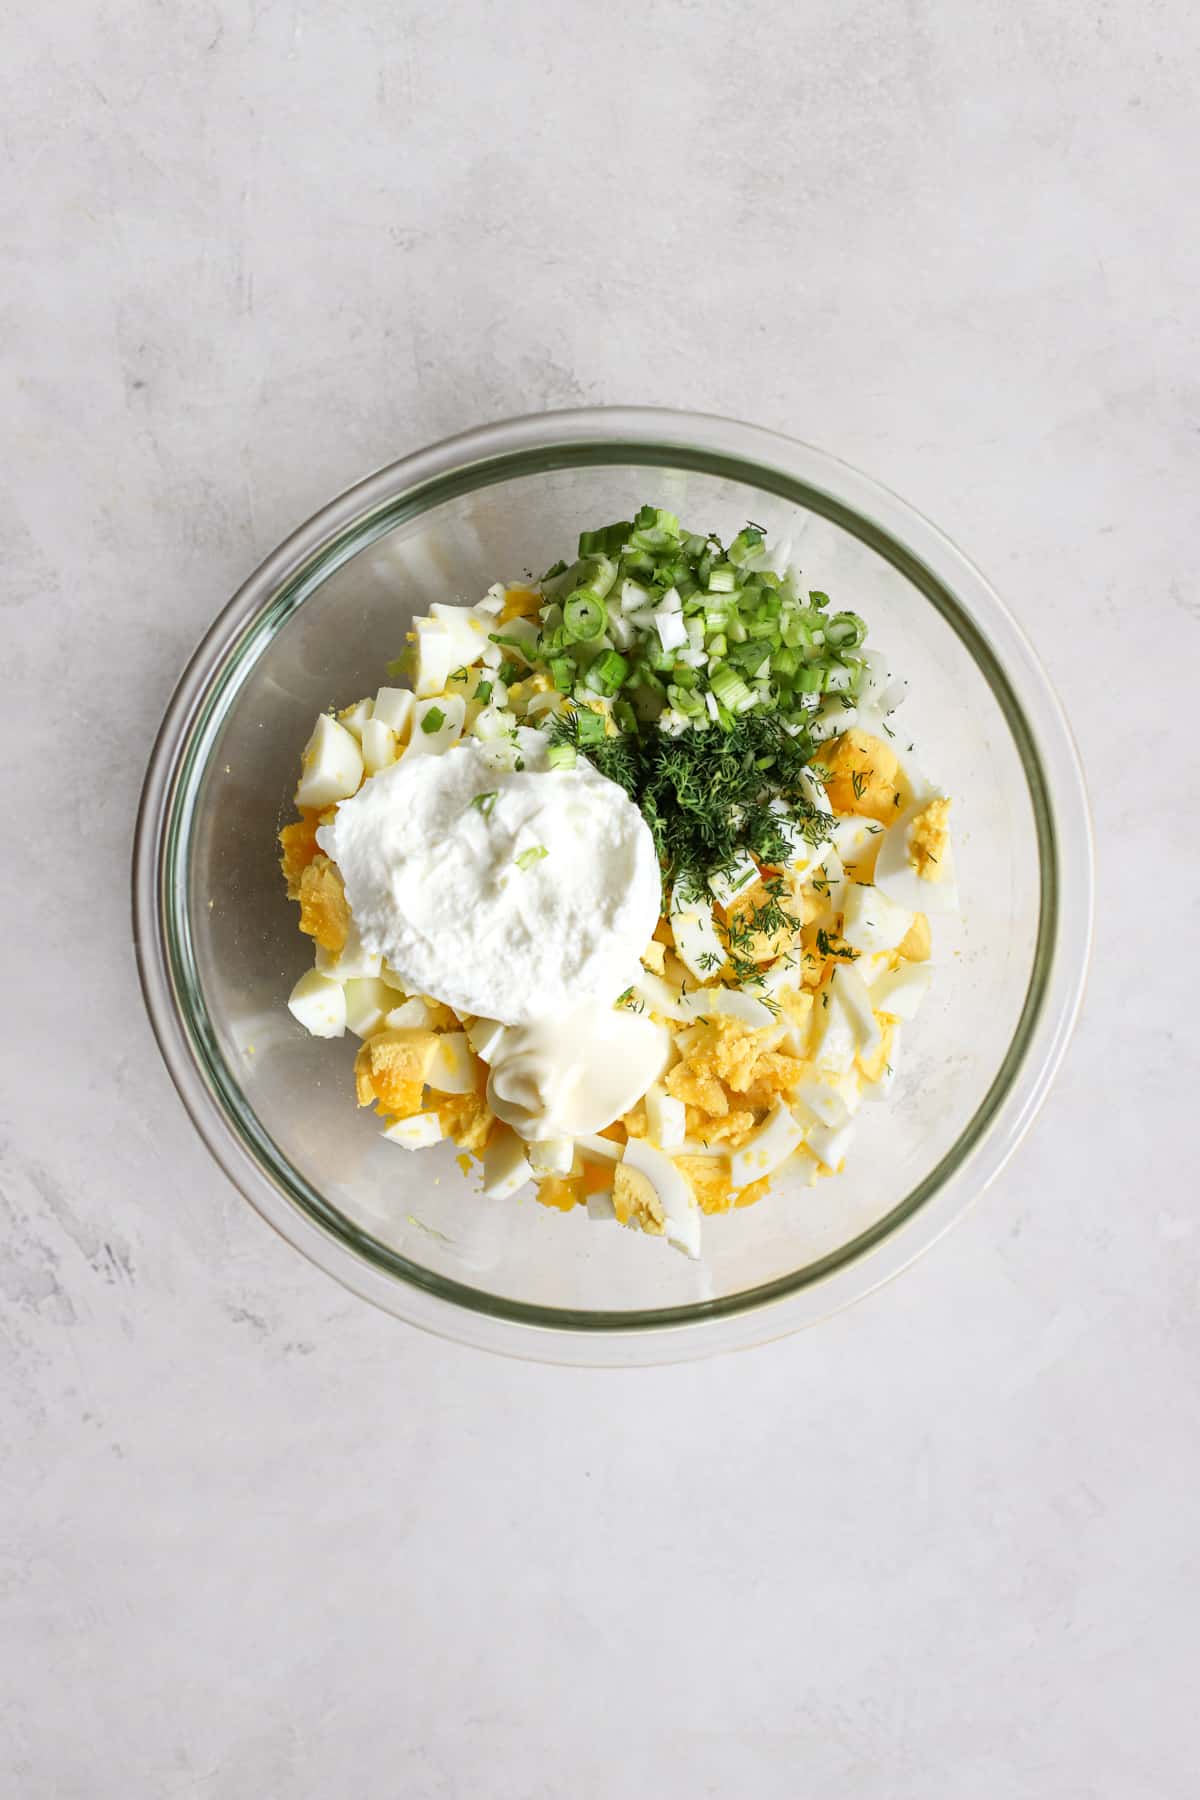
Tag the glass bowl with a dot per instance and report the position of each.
(218, 945)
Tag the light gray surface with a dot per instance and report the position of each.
(260, 1541)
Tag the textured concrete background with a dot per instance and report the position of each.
(261, 1541)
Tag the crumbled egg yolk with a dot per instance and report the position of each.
(520, 603)
(929, 838)
(863, 776)
(636, 1201)
(390, 1070)
(324, 913)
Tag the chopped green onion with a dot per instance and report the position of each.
(746, 543)
(561, 756)
(722, 578)
(562, 670)
(730, 689)
(625, 716)
(584, 615)
(605, 542)
(485, 802)
(433, 721)
(836, 678)
(483, 692)
(845, 631)
(589, 726)
(533, 855)
(607, 673)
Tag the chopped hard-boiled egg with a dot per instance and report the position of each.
(484, 1037)
(666, 1118)
(410, 1015)
(355, 717)
(696, 940)
(379, 748)
(394, 708)
(899, 992)
(436, 656)
(681, 1216)
(551, 1156)
(829, 1146)
(452, 1070)
(915, 865)
(331, 767)
(855, 998)
(417, 1132)
(319, 1004)
(769, 1145)
(871, 920)
(437, 723)
(353, 962)
(742, 874)
(368, 1004)
(505, 1164)
(831, 1098)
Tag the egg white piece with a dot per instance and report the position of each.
(881, 1089)
(467, 629)
(331, 767)
(766, 1148)
(900, 992)
(505, 1164)
(857, 840)
(355, 717)
(599, 1149)
(681, 1221)
(353, 962)
(451, 711)
(872, 920)
(855, 997)
(896, 876)
(484, 1037)
(666, 1118)
(831, 1099)
(436, 654)
(394, 707)
(727, 884)
(452, 1070)
(696, 941)
(551, 1156)
(379, 747)
(416, 1133)
(835, 1040)
(411, 1015)
(659, 997)
(732, 1003)
(319, 1004)
(830, 1146)
(368, 1002)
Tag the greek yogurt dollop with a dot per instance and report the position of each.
(507, 893)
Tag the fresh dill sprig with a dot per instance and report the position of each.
(707, 794)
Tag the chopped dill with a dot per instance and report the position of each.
(705, 795)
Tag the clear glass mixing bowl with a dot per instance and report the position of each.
(219, 949)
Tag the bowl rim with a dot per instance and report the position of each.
(480, 457)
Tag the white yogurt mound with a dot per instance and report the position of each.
(508, 894)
